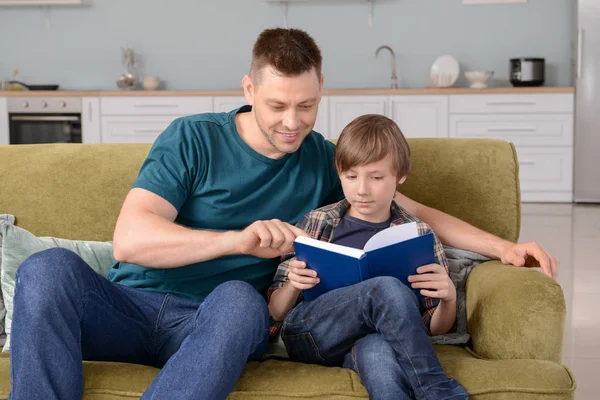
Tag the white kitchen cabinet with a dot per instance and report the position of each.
(524, 103)
(344, 109)
(133, 129)
(159, 105)
(322, 122)
(420, 116)
(90, 120)
(228, 103)
(142, 119)
(4, 135)
(540, 125)
(520, 129)
(546, 173)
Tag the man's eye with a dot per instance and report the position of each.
(306, 107)
(277, 108)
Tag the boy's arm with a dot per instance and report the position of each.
(459, 234)
(282, 296)
(440, 306)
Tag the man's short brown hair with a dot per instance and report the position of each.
(291, 52)
(370, 138)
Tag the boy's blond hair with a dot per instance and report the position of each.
(370, 138)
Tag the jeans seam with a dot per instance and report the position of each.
(401, 344)
(355, 362)
(159, 318)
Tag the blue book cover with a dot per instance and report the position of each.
(396, 251)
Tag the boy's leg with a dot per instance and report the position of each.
(325, 329)
(205, 348)
(64, 311)
(374, 360)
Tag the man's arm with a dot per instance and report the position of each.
(461, 235)
(146, 234)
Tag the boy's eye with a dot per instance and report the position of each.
(377, 177)
(350, 176)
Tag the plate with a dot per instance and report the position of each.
(444, 71)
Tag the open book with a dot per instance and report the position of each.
(395, 251)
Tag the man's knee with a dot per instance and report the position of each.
(242, 303)
(48, 269)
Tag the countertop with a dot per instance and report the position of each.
(327, 92)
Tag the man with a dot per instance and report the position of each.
(197, 239)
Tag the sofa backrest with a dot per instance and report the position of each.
(75, 191)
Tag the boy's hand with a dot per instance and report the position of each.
(267, 239)
(301, 277)
(435, 282)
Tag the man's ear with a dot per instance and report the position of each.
(248, 87)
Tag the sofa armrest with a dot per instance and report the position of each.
(514, 313)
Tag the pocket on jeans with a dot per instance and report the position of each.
(302, 347)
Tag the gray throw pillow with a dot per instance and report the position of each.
(5, 219)
(18, 244)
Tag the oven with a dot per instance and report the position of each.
(33, 120)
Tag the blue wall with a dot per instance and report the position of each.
(201, 44)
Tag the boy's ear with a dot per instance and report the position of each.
(401, 180)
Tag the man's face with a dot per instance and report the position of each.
(285, 108)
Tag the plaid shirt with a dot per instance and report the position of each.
(321, 223)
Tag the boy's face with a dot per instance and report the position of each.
(370, 189)
(285, 108)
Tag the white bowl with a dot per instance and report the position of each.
(151, 82)
(479, 79)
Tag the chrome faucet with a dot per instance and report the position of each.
(394, 78)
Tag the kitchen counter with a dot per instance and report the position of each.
(327, 92)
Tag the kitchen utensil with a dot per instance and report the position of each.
(479, 79)
(35, 87)
(527, 71)
(445, 71)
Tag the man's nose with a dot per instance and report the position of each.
(291, 121)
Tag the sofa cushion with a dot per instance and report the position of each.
(18, 244)
(274, 379)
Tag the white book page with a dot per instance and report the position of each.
(336, 248)
(391, 235)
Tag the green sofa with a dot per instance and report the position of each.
(515, 315)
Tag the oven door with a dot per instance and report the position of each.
(44, 128)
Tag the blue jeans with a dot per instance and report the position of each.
(64, 313)
(374, 328)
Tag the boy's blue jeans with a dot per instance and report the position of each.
(374, 328)
(65, 312)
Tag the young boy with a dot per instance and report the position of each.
(377, 327)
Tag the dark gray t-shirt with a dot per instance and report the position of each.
(354, 232)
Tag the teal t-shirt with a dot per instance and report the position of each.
(201, 165)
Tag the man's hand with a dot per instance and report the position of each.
(267, 239)
(530, 255)
(301, 277)
(434, 282)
